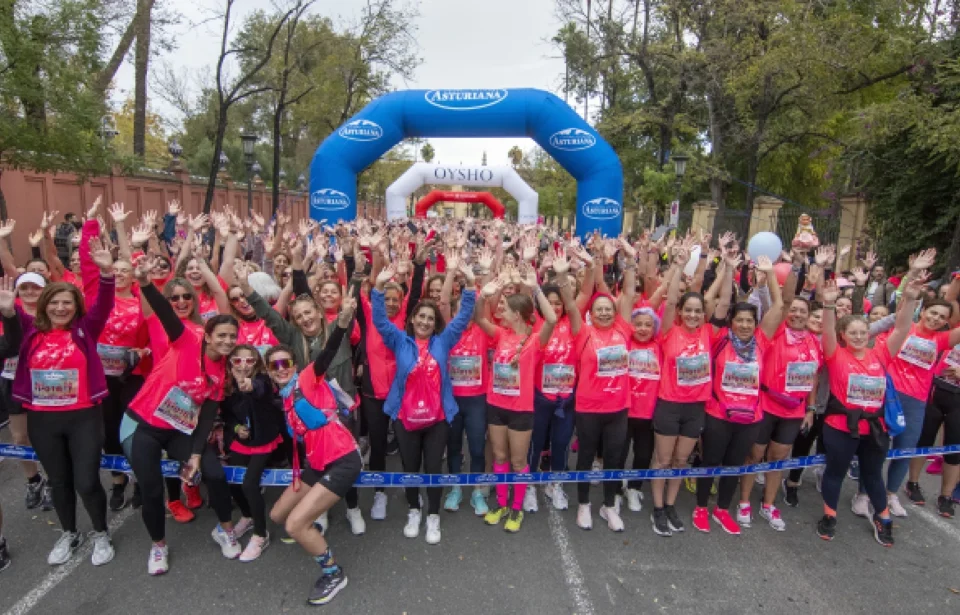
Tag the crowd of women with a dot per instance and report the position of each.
(214, 341)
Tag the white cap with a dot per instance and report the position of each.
(32, 278)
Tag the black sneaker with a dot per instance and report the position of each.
(660, 525)
(137, 500)
(5, 560)
(673, 519)
(118, 496)
(327, 586)
(35, 492)
(790, 495)
(46, 504)
(883, 531)
(914, 494)
(827, 527)
(945, 507)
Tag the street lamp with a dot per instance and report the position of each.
(249, 140)
(680, 167)
(108, 129)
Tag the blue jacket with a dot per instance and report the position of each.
(406, 353)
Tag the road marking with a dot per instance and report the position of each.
(82, 556)
(948, 528)
(571, 569)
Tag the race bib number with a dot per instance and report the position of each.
(612, 361)
(741, 378)
(179, 411)
(801, 377)
(558, 379)
(465, 371)
(952, 359)
(644, 364)
(693, 371)
(865, 391)
(113, 358)
(10, 368)
(53, 388)
(506, 379)
(919, 351)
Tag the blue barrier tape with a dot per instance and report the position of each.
(282, 478)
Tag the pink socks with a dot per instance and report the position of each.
(502, 490)
(519, 491)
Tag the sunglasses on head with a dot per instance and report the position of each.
(243, 361)
(181, 297)
(279, 364)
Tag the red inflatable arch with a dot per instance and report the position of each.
(435, 196)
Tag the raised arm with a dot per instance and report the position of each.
(726, 290)
(829, 294)
(213, 284)
(120, 215)
(172, 324)
(392, 336)
(482, 316)
(348, 307)
(911, 299)
(6, 257)
(775, 314)
(561, 266)
(451, 334)
(681, 258)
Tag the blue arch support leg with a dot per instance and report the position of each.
(537, 114)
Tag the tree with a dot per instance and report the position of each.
(155, 141)
(515, 155)
(427, 152)
(141, 63)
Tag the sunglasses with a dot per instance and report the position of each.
(162, 265)
(182, 297)
(243, 361)
(280, 364)
(236, 298)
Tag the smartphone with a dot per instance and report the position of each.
(194, 481)
(412, 227)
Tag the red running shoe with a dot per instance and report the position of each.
(701, 520)
(724, 520)
(194, 501)
(181, 514)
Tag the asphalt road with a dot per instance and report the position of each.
(551, 566)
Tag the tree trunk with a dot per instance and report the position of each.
(123, 46)
(141, 63)
(277, 116)
(215, 162)
(953, 252)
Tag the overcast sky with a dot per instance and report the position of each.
(463, 44)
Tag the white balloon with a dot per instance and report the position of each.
(766, 244)
(691, 267)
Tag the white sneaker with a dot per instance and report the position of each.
(324, 522)
(102, 549)
(744, 514)
(412, 528)
(378, 511)
(893, 503)
(861, 505)
(157, 564)
(357, 525)
(433, 529)
(530, 500)
(241, 527)
(64, 548)
(229, 545)
(772, 515)
(255, 548)
(584, 517)
(612, 517)
(634, 500)
(596, 467)
(617, 503)
(555, 492)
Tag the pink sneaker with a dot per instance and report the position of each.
(576, 445)
(936, 467)
(255, 548)
(724, 520)
(701, 520)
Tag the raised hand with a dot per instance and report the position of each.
(914, 289)
(629, 250)
(197, 223)
(860, 276)
(100, 255)
(467, 270)
(491, 288)
(829, 292)
(8, 296)
(47, 220)
(561, 264)
(6, 228)
(35, 238)
(923, 260)
(764, 264)
(485, 259)
(92, 212)
(173, 208)
(118, 213)
(386, 274)
(822, 255)
(348, 307)
(870, 260)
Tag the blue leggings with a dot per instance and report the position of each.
(914, 411)
(472, 418)
(553, 419)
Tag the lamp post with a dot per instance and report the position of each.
(560, 208)
(680, 167)
(108, 129)
(249, 140)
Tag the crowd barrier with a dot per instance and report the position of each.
(283, 477)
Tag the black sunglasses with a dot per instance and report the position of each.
(182, 297)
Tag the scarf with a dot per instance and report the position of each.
(747, 351)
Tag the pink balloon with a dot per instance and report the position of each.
(782, 270)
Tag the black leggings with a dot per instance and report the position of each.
(122, 391)
(724, 444)
(594, 428)
(840, 448)
(943, 409)
(144, 450)
(424, 446)
(640, 434)
(248, 496)
(377, 423)
(68, 444)
(803, 444)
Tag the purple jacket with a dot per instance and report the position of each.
(85, 332)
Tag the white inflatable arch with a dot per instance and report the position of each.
(425, 173)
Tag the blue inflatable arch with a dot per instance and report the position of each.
(470, 113)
